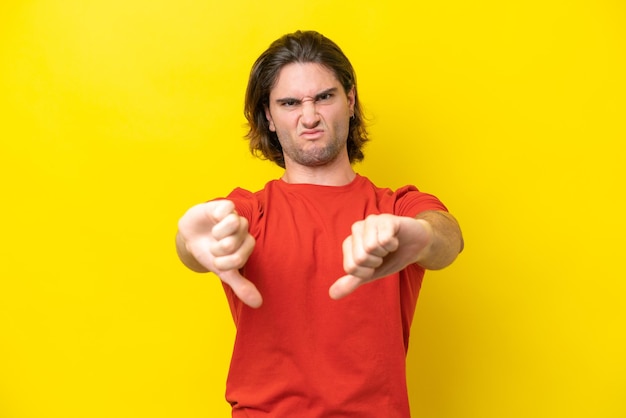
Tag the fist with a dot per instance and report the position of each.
(218, 240)
(378, 246)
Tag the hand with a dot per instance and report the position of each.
(378, 246)
(218, 240)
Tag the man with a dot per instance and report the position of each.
(291, 255)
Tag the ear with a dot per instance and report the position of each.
(268, 116)
(351, 100)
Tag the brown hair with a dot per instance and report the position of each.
(302, 47)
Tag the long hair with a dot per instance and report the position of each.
(300, 47)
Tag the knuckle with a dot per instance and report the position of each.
(226, 263)
(349, 266)
(251, 240)
(230, 221)
(370, 245)
(237, 260)
(228, 245)
(360, 257)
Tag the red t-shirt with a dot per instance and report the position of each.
(302, 354)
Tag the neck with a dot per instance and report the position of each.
(337, 173)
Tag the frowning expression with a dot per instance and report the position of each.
(310, 112)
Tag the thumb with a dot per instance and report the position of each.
(245, 290)
(344, 286)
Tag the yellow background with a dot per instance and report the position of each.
(116, 116)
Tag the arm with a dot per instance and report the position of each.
(446, 243)
(185, 256)
(213, 237)
(384, 244)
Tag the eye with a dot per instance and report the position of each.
(289, 103)
(324, 97)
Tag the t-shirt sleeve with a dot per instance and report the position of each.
(244, 202)
(249, 205)
(411, 202)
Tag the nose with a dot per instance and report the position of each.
(310, 118)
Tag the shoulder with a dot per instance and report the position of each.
(407, 200)
(248, 203)
(410, 201)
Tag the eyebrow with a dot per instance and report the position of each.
(331, 90)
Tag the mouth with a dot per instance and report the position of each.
(312, 134)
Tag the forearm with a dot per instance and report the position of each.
(446, 242)
(186, 257)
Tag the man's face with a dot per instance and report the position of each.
(310, 113)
